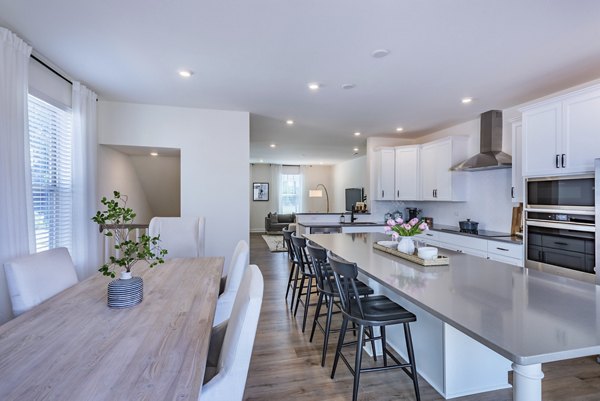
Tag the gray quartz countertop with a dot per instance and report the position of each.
(338, 224)
(525, 315)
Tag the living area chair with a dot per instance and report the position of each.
(35, 278)
(232, 341)
(374, 311)
(237, 266)
(183, 237)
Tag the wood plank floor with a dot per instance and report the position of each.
(286, 366)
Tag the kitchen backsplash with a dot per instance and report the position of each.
(489, 203)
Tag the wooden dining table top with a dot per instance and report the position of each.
(73, 347)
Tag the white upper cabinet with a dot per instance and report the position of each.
(385, 174)
(562, 135)
(581, 132)
(407, 173)
(438, 182)
(516, 192)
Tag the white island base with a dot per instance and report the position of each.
(451, 362)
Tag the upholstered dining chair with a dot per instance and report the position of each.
(35, 278)
(237, 265)
(232, 341)
(183, 237)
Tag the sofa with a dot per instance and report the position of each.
(277, 222)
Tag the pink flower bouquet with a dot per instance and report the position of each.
(398, 228)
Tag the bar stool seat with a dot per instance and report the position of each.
(375, 311)
(328, 294)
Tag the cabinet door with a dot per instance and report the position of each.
(386, 174)
(407, 173)
(581, 132)
(541, 130)
(517, 170)
(443, 175)
(428, 171)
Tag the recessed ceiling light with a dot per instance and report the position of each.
(348, 86)
(290, 122)
(357, 133)
(261, 160)
(466, 100)
(399, 129)
(313, 86)
(379, 53)
(355, 149)
(320, 162)
(272, 145)
(153, 154)
(185, 73)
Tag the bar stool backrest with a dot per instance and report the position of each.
(346, 275)
(287, 238)
(318, 257)
(299, 244)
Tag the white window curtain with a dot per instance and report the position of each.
(275, 185)
(16, 210)
(86, 238)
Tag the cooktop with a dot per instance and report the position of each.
(479, 233)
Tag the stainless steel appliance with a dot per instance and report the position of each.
(560, 225)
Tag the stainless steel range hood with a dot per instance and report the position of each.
(491, 156)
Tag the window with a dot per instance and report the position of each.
(290, 193)
(50, 150)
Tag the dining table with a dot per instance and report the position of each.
(74, 347)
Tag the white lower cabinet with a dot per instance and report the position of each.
(500, 251)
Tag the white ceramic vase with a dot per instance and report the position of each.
(406, 245)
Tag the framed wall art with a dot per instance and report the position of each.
(261, 191)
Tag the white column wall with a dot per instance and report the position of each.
(214, 160)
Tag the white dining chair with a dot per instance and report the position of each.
(182, 237)
(34, 278)
(231, 343)
(237, 266)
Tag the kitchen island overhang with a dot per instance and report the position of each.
(501, 314)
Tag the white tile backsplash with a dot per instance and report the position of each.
(489, 203)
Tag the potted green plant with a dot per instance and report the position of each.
(116, 222)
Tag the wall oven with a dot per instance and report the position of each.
(560, 225)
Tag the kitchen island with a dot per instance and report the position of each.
(476, 316)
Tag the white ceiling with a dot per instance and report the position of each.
(259, 56)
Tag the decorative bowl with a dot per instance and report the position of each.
(427, 252)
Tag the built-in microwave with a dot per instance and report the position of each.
(563, 193)
(560, 225)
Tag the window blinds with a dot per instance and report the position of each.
(50, 150)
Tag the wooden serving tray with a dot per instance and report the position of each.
(439, 261)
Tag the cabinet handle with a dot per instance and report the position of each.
(561, 243)
(557, 162)
(382, 193)
(512, 192)
(563, 160)
(398, 193)
(502, 249)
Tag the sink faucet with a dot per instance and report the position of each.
(352, 218)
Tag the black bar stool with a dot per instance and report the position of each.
(328, 292)
(287, 239)
(378, 311)
(307, 277)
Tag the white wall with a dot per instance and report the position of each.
(214, 161)
(313, 176)
(117, 173)
(349, 174)
(260, 209)
(160, 177)
(488, 192)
